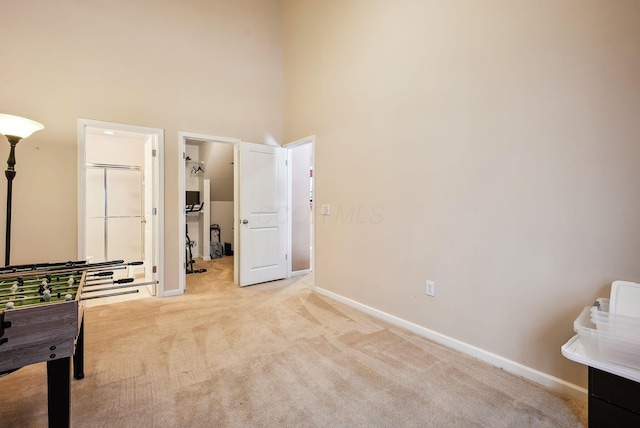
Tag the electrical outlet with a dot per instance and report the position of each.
(326, 209)
(431, 288)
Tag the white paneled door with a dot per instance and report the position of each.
(262, 212)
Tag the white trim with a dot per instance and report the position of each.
(552, 382)
(182, 221)
(158, 133)
(289, 212)
(306, 140)
(236, 213)
(313, 206)
(207, 137)
(172, 293)
(81, 186)
(182, 140)
(206, 217)
(311, 139)
(300, 273)
(159, 246)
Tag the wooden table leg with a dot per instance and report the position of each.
(59, 392)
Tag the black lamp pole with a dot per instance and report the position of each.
(10, 173)
(14, 128)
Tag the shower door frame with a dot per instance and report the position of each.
(106, 216)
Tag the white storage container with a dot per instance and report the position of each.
(625, 298)
(619, 344)
(622, 326)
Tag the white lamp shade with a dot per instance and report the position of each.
(18, 126)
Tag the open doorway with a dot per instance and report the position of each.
(209, 199)
(206, 172)
(120, 210)
(195, 151)
(301, 203)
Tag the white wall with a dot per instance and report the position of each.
(222, 215)
(218, 161)
(491, 146)
(120, 149)
(206, 67)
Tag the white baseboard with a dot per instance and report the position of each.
(171, 293)
(552, 382)
(300, 272)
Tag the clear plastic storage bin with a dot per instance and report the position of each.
(609, 337)
(622, 326)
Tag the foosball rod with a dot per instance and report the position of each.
(41, 298)
(39, 281)
(88, 281)
(61, 290)
(35, 289)
(68, 290)
(95, 268)
(110, 281)
(39, 266)
(104, 271)
(109, 295)
(98, 275)
(55, 267)
(102, 276)
(108, 270)
(52, 285)
(30, 275)
(87, 267)
(116, 287)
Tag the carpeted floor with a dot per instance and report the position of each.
(274, 355)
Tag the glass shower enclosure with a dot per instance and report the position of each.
(115, 220)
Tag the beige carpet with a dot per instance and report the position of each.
(274, 355)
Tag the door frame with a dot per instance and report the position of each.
(183, 136)
(158, 187)
(311, 139)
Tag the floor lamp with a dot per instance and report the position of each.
(15, 128)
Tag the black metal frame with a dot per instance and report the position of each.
(189, 254)
(10, 173)
(59, 383)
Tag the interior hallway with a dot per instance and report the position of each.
(274, 355)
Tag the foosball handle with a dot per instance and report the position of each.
(107, 273)
(123, 281)
(138, 263)
(3, 325)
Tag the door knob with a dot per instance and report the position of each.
(245, 221)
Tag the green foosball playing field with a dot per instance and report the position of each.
(20, 291)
